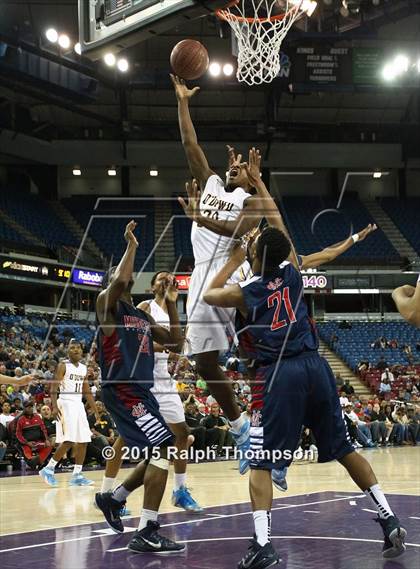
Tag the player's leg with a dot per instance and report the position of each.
(181, 496)
(333, 441)
(207, 365)
(77, 478)
(113, 465)
(276, 423)
(47, 473)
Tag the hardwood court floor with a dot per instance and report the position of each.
(27, 504)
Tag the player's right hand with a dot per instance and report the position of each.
(253, 168)
(55, 412)
(129, 233)
(181, 90)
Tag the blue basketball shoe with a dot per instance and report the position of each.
(80, 480)
(48, 476)
(243, 444)
(182, 499)
(279, 478)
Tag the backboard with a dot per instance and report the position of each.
(114, 25)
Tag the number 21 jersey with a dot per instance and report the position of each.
(278, 323)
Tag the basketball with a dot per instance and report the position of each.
(189, 59)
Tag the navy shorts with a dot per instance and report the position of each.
(303, 393)
(136, 414)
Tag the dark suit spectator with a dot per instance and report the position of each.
(347, 388)
(215, 423)
(193, 419)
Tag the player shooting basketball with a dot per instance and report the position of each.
(294, 386)
(224, 213)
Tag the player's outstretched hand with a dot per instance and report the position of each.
(192, 208)
(253, 168)
(367, 231)
(26, 380)
(181, 90)
(129, 234)
(171, 291)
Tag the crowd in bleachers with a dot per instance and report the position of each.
(387, 417)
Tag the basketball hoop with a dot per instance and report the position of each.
(260, 27)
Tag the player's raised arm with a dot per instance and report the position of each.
(172, 339)
(196, 158)
(333, 251)
(249, 217)
(407, 299)
(121, 278)
(270, 210)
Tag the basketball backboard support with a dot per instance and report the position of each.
(114, 25)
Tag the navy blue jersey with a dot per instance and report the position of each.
(127, 355)
(278, 322)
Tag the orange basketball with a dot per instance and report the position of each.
(189, 59)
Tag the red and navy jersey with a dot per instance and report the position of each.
(278, 323)
(127, 355)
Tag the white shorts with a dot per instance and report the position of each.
(73, 426)
(208, 325)
(170, 407)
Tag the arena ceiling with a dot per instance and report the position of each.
(141, 105)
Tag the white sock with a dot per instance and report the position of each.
(262, 522)
(77, 469)
(107, 484)
(237, 423)
(120, 493)
(180, 480)
(51, 464)
(381, 504)
(146, 516)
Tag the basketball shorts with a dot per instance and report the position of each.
(303, 393)
(136, 414)
(73, 425)
(208, 326)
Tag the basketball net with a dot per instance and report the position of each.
(260, 27)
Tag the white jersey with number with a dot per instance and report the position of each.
(216, 203)
(71, 386)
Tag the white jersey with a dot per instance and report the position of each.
(217, 204)
(163, 381)
(71, 387)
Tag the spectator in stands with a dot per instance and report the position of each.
(381, 365)
(49, 423)
(345, 325)
(333, 340)
(395, 430)
(413, 425)
(201, 384)
(33, 437)
(201, 411)
(214, 422)
(17, 406)
(363, 365)
(3, 441)
(193, 419)
(393, 344)
(14, 393)
(339, 380)
(232, 363)
(102, 430)
(387, 375)
(377, 425)
(347, 388)
(384, 387)
(6, 415)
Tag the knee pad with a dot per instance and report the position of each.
(162, 463)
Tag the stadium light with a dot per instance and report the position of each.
(52, 35)
(78, 48)
(389, 72)
(109, 59)
(77, 171)
(154, 171)
(112, 171)
(228, 69)
(122, 65)
(377, 175)
(401, 63)
(215, 69)
(64, 41)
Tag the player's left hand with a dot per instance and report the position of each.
(171, 290)
(192, 208)
(367, 231)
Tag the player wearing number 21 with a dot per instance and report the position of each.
(294, 386)
(72, 425)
